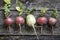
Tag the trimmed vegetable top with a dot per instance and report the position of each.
(19, 8)
(43, 11)
(7, 1)
(7, 7)
(54, 14)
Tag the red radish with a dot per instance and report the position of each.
(8, 21)
(42, 20)
(52, 21)
(19, 20)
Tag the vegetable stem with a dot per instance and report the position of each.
(54, 14)
(20, 29)
(20, 8)
(43, 11)
(7, 7)
(35, 32)
(29, 11)
(41, 29)
(9, 29)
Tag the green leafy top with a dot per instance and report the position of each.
(19, 8)
(7, 1)
(54, 14)
(7, 7)
(43, 11)
(20, 4)
(29, 11)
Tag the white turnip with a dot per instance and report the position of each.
(30, 20)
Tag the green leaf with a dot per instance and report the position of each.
(7, 10)
(7, 1)
(17, 8)
(20, 12)
(20, 4)
(27, 11)
(54, 14)
(43, 11)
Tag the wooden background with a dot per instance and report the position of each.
(28, 33)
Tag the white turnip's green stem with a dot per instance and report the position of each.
(35, 32)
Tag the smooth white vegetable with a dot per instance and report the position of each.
(30, 20)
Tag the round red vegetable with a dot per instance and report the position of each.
(8, 21)
(42, 20)
(19, 20)
(52, 21)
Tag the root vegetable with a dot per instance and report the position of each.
(19, 20)
(30, 20)
(52, 21)
(8, 21)
(42, 20)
